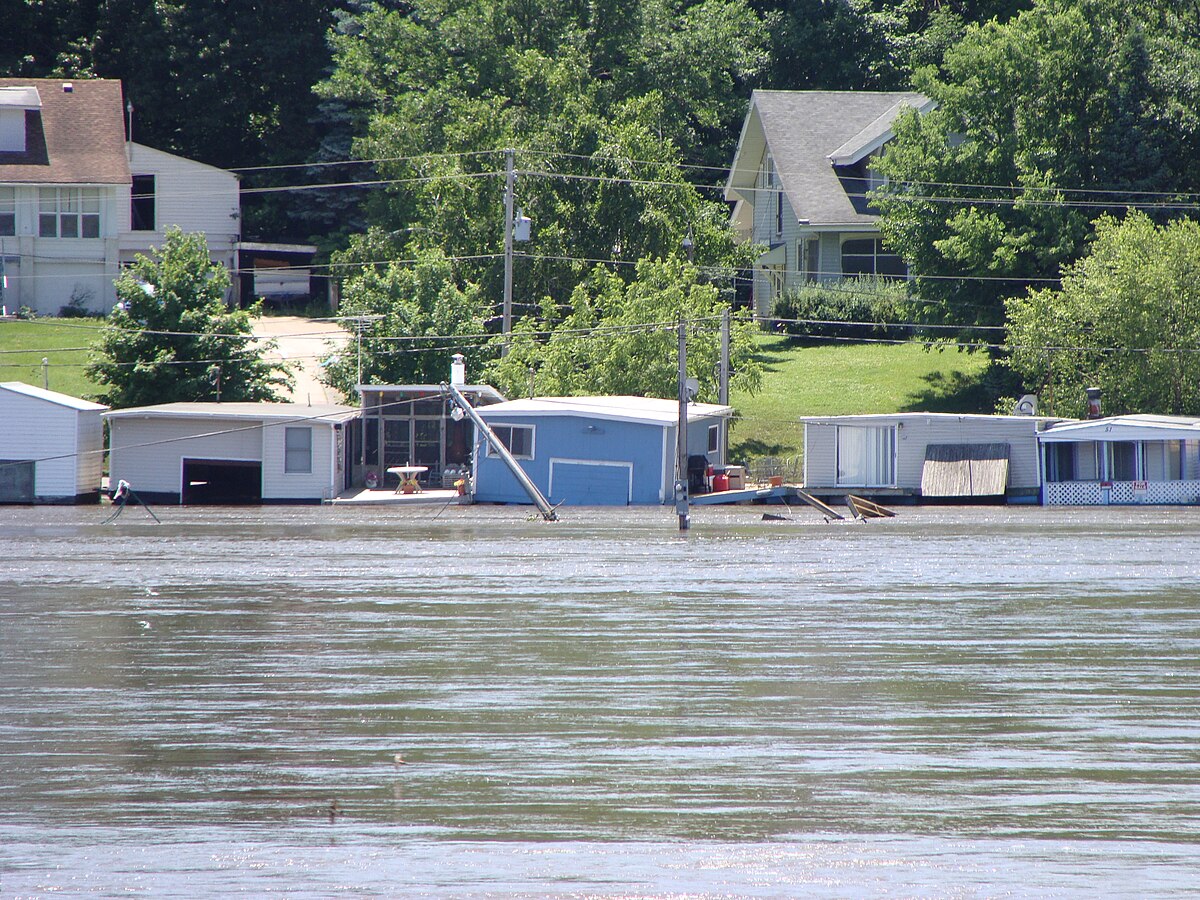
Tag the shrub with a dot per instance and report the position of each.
(849, 309)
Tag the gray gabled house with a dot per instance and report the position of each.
(799, 183)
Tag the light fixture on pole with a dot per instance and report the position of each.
(689, 246)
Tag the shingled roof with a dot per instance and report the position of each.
(807, 132)
(76, 137)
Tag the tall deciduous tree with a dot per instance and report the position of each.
(602, 105)
(414, 317)
(1044, 122)
(621, 338)
(172, 338)
(1127, 320)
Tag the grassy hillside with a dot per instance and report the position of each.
(838, 379)
(799, 380)
(63, 342)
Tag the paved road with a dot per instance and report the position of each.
(302, 344)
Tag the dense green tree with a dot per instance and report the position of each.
(1127, 319)
(172, 338)
(620, 338)
(1044, 122)
(442, 88)
(867, 44)
(416, 315)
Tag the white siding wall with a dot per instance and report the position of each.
(159, 467)
(50, 270)
(89, 463)
(820, 445)
(820, 455)
(190, 195)
(280, 485)
(36, 429)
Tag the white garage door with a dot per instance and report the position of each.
(589, 483)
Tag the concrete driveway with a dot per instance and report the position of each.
(302, 344)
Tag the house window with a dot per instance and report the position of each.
(517, 438)
(297, 451)
(8, 211)
(714, 438)
(866, 256)
(141, 203)
(866, 456)
(69, 212)
(812, 259)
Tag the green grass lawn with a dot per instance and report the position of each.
(844, 379)
(63, 342)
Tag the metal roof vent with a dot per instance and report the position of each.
(68, 87)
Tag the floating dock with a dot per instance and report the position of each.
(747, 495)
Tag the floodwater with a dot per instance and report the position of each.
(953, 703)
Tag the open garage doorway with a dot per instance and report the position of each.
(223, 482)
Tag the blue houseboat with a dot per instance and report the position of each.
(595, 451)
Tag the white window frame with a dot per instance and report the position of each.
(8, 211)
(303, 466)
(67, 210)
(875, 465)
(714, 438)
(504, 432)
(877, 251)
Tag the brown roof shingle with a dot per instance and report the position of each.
(77, 137)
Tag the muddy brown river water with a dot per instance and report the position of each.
(954, 703)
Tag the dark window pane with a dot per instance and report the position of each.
(890, 264)
(68, 226)
(91, 226)
(47, 225)
(859, 245)
(141, 206)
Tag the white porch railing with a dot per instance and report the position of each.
(1121, 493)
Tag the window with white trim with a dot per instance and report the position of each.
(8, 210)
(297, 451)
(714, 438)
(866, 455)
(517, 438)
(866, 256)
(68, 212)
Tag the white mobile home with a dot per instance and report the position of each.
(1122, 460)
(51, 446)
(227, 453)
(924, 455)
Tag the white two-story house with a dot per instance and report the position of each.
(799, 184)
(78, 201)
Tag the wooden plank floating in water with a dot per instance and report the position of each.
(825, 508)
(865, 509)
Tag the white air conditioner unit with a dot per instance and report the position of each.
(1026, 406)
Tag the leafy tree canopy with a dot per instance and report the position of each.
(1044, 122)
(171, 337)
(1126, 320)
(621, 338)
(415, 316)
(443, 86)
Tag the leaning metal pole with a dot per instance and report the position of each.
(530, 488)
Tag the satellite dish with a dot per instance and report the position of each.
(1026, 406)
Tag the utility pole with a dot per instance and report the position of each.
(723, 382)
(681, 454)
(510, 177)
